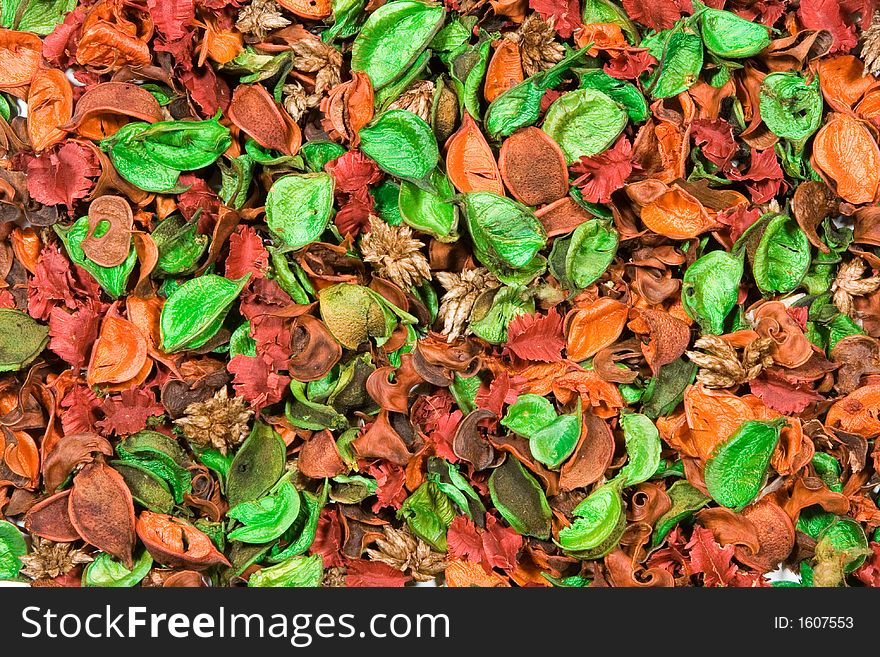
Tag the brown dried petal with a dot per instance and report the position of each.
(533, 167)
(394, 395)
(72, 450)
(50, 519)
(314, 351)
(469, 444)
(320, 458)
(102, 510)
(592, 456)
(775, 532)
(381, 441)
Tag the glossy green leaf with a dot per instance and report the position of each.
(22, 339)
(310, 513)
(782, 257)
(196, 310)
(643, 448)
(728, 35)
(430, 212)
(402, 144)
(298, 207)
(296, 572)
(160, 455)
(428, 512)
(710, 289)
(504, 232)
(112, 279)
(681, 58)
(686, 500)
(736, 469)
(12, 547)
(268, 517)
(791, 107)
(845, 537)
(257, 466)
(490, 321)
(180, 245)
(591, 250)
(520, 499)
(529, 414)
(151, 156)
(37, 16)
(105, 571)
(598, 524)
(584, 122)
(622, 92)
(393, 37)
(554, 443)
(520, 105)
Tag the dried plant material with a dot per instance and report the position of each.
(403, 551)
(721, 366)
(537, 43)
(395, 253)
(48, 560)
(218, 422)
(260, 17)
(508, 293)
(461, 294)
(851, 282)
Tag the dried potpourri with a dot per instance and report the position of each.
(517, 293)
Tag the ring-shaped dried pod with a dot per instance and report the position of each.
(114, 244)
(469, 445)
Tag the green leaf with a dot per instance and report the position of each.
(529, 414)
(12, 546)
(268, 517)
(428, 212)
(681, 58)
(520, 499)
(180, 245)
(147, 488)
(845, 537)
(790, 107)
(401, 143)
(782, 257)
(160, 455)
(505, 233)
(622, 92)
(195, 311)
(490, 323)
(710, 289)
(311, 509)
(584, 122)
(105, 571)
(554, 443)
(39, 17)
(591, 250)
(393, 37)
(520, 105)
(22, 339)
(296, 572)
(728, 35)
(598, 525)
(112, 279)
(256, 467)
(736, 469)
(642, 448)
(298, 207)
(686, 500)
(428, 512)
